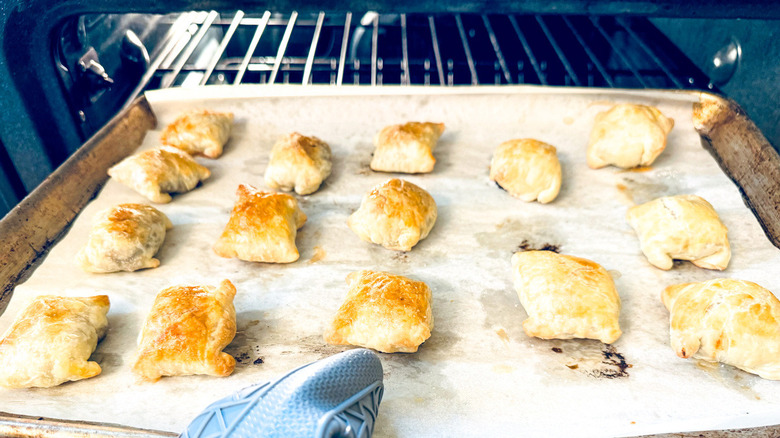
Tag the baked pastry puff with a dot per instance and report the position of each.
(683, 227)
(730, 321)
(156, 172)
(528, 169)
(396, 214)
(199, 132)
(262, 227)
(386, 312)
(298, 163)
(185, 332)
(51, 340)
(124, 238)
(406, 148)
(628, 135)
(566, 297)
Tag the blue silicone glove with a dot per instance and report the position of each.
(337, 396)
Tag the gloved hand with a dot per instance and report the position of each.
(337, 396)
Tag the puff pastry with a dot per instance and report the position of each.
(406, 148)
(731, 321)
(386, 312)
(566, 297)
(628, 135)
(185, 332)
(528, 169)
(156, 172)
(683, 227)
(124, 238)
(396, 214)
(51, 340)
(262, 227)
(298, 162)
(199, 132)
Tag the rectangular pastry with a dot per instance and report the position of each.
(124, 238)
(185, 332)
(157, 172)
(396, 214)
(386, 312)
(51, 340)
(628, 135)
(724, 320)
(566, 297)
(199, 132)
(406, 148)
(683, 227)
(262, 227)
(298, 163)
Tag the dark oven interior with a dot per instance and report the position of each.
(68, 67)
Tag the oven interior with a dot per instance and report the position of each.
(100, 62)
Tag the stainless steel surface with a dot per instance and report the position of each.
(261, 25)
(222, 45)
(725, 62)
(315, 39)
(436, 51)
(283, 47)
(406, 49)
(189, 50)
(528, 51)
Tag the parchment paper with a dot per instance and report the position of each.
(478, 374)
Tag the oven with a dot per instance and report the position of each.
(69, 67)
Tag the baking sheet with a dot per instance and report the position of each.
(478, 374)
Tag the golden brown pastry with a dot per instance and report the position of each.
(731, 321)
(298, 162)
(566, 297)
(396, 214)
(124, 238)
(262, 227)
(386, 312)
(51, 340)
(528, 169)
(406, 148)
(628, 135)
(156, 172)
(683, 227)
(185, 332)
(199, 132)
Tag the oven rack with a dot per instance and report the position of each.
(417, 49)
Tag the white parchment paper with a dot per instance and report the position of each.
(478, 374)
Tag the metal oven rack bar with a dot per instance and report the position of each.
(418, 49)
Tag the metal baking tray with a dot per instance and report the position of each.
(724, 130)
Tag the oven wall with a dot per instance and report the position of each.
(755, 84)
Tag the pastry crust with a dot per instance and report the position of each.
(566, 297)
(262, 227)
(396, 214)
(156, 172)
(199, 132)
(51, 340)
(406, 148)
(528, 169)
(185, 332)
(386, 312)
(730, 321)
(683, 227)
(124, 238)
(298, 162)
(628, 135)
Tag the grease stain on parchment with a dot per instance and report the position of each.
(512, 235)
(586, 357)
(319, 254)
